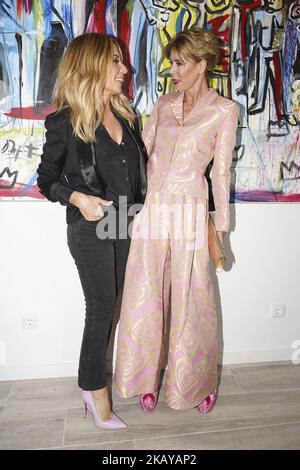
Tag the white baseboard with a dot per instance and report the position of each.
(37, 371)
(69, 369)
(257, 355)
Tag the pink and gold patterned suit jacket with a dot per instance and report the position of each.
(180, 150)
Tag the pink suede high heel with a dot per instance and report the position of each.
(89, 405)
(208, 403)
(148, 401)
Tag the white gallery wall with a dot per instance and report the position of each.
(38, 279)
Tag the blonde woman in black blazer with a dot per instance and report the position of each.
(92, 156)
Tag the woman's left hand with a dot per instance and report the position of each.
(221, 236)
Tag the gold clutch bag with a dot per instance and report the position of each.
(215, 247)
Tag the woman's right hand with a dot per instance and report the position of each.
(89, 206)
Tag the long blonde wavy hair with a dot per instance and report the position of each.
(81, 79)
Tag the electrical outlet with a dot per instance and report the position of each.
(278, 311)
(29, 322)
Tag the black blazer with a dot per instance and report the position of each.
(68, 164)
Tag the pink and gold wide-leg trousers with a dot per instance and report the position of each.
(168, 271)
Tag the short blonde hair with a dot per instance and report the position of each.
(196, 44)
(82, 75)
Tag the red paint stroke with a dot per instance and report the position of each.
(125, 31)
(244, 11)
(19, 8)
(34, 113)
(224, 60)
(265, 196)
(19, 189)
(125, 27)
(98, 24)
(224, 35)
(278, 89)
(28, 5)
(217, 23)
(24, 5)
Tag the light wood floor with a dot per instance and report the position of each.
(258, 408)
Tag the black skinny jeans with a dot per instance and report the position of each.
(101, 267)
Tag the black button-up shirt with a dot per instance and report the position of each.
(118, 165)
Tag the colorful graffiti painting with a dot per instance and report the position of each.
(260, 69)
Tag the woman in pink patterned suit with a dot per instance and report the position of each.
(169, 253)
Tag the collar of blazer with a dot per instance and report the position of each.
(202, 102)
(89, 169)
